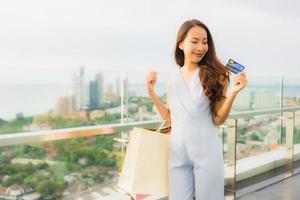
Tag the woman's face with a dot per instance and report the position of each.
(195, 44)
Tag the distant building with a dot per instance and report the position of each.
(242, 101)
(263, 100)
(94, 102)
(80, 90)
(64, 105)
(100, 82)
(96, 91)
(110, 97)
(291, 102)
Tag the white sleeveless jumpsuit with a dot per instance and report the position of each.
(196, 166)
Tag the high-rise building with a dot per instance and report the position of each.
(96, 91)
(262, 100)
(109, 95)
(100, 87)
(81, 91)
(78, 85)
(86, 96)
(94, 102)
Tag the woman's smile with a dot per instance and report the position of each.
(199, 55)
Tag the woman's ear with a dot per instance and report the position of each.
(180, 45)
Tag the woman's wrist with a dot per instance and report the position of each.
(151, 93)
(233, 93)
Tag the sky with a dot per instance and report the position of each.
(47, 41)
(37, 35)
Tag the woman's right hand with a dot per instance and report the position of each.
(150, 81)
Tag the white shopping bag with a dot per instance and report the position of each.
(145, 168)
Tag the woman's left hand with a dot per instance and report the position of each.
(239, 82)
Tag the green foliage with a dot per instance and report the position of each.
(297, 136)
(50, 188)
(29, 151)
(15, 125)
(11, 169)
(257, 136)
(108, 118)
(111, 104)
(58, 170)
(3, 158)
(72, 166)
(42, 166)
(30, 182)
(26, 174)
(61, 122)
(97, 151)
(142, 101)
(2, 122)
(98, 177)
(14, 178)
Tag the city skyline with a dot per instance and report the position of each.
(21, 98)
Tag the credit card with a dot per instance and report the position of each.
(234, 67)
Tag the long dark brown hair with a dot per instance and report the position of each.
(213, 74)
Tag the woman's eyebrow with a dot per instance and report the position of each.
(195, 38)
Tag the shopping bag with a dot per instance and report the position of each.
(145, 167)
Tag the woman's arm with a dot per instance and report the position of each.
(223, 107)
(162, 109)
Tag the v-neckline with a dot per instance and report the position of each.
(188, 82)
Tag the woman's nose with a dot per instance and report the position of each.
(200, 48)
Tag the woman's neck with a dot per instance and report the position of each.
(190, 67)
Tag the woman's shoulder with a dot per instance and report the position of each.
(171, 72)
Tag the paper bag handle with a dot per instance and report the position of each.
(158, 129)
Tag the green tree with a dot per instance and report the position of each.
(2, 122)
(50, 188)
(30, 182)
(257, 136)
(15, 178)
(43, 165)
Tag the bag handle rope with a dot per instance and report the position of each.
(159, 127)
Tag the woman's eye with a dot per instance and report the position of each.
(194, 42)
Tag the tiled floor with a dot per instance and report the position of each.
(288, 189)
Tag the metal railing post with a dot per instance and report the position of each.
(231, 156)
(290, 125)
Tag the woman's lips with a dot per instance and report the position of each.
(198, 54)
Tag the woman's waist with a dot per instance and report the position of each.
(188, 120)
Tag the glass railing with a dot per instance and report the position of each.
(75, 140)
(261, 93)
(267, 155)
(262, 154)
(48, 99)
(72, 168)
